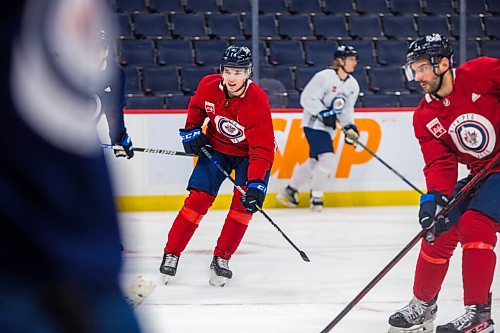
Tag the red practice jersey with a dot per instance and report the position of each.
(463, 127)
(240, 126)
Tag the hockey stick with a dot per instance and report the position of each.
(221, 169)
(383, 162)
(149, 150)
(452, 204)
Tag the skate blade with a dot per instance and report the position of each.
(427, 327)
(316, 209)
(166, 278)
(217, 281)
(285, 201)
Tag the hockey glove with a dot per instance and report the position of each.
(193, 139)
(351, 134)
(254, 198)
(430, 206)
(124, 147)
(329, 118)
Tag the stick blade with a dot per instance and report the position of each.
(304, 256)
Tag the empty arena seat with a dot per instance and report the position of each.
(124, 27)
(337, 6)
(130, 6)
(132, 82)
(160, 80)
(364, 26)
(135, 52)
(191, 76)
(492, 26)
(166, 6)
(188, 26)
(303, 75)
(387, 79)
(410, 100)
(286, 52)
(430, 24)
(177, 101)
(371, 7)
(391, 52)
(304, 7)
(267, 27)
(319, 53)
(280, 73)
(490, 48)
(176, 52)
(473, 26)
(438, 7)
(145, 102)
(236, 6)
(274, 6)
(402, 27)
(151, 26)
(209, 52)
(406, 7)
(330, 27)
(226, 26)
(201, 6)
(295, 27)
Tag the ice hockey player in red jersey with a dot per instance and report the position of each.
(457, 121)
(240, 137)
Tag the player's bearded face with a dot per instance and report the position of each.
(424, 75)
(234, 79)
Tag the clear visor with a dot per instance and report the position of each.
(410, 72)
(236, 72)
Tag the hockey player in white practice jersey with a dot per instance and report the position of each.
(328, 99)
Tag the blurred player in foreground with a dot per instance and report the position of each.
(241, 138)
(328, 98)
(457, 121)
(59, 246)
(110, 100)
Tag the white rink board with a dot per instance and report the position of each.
(153, 174)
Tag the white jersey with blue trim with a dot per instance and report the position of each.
(326, 90)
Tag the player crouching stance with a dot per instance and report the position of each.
(241, 138)
(456, 121)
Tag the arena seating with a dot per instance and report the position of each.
(166, 46)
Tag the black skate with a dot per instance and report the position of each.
(220, 272)
(417, 316)
(288, 197)
(168, 266)
(476, 319)
(316, 201)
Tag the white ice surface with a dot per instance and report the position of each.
(273, 289)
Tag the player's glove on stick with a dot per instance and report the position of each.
(256, 193)
(430, 205)
(193, 139)
(329, 118)
(124, 147)
(351, 134)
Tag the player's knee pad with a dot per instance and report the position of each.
(326, 162)
(199, 201)
(477, 231)
(441, 251)
(311, 163)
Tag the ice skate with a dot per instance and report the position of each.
(316, 201)
(220, 272)
(476, 319)
(288, 197)
(417, 316)
(168, 266)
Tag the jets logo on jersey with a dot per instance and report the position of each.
(436, 128)
(209, 107)
(339, 103)
(473, 134)
(230, 129)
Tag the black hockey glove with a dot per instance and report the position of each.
(430, 205)
(124, 147)
(193, 139)
(329, 118)
(256, 193)
(351, 134)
